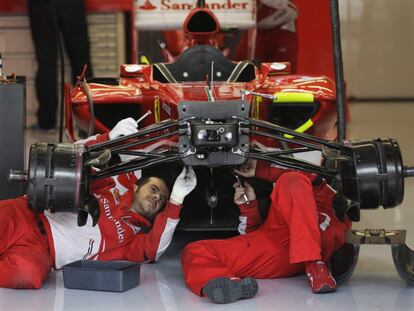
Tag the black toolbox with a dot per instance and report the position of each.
(112, 276)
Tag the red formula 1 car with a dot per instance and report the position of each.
(206, 111)
(304, 103)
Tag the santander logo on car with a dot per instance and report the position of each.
(167, 5)
(147, 6)
(170, 14)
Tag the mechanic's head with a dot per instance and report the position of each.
(150, 196)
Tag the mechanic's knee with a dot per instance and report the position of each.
(192, 249)
(26, 274)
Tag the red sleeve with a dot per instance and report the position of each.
(99, 138)
(271, 173)
(249, 217)
(102, 184)
(266, 172)
(150, 246)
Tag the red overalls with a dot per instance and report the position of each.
(24, 251)
(301, 226)
(27, 254)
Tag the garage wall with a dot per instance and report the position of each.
(378, 47)
(107, 38)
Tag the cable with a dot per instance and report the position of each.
(62, 67)
(89, 97)
(339, 70)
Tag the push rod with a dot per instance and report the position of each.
(132, 165)
(145, 131)
(283, 130)
(296, 164)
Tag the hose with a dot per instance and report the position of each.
(339, 71)
(62, 67)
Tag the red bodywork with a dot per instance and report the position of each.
(306, 101)
(145, 92)
(136, 86)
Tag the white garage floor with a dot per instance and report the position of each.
(375, 284)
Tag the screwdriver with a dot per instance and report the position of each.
(241, 185)
(144, 116)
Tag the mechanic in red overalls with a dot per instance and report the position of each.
(30, 244)
(276, 38)
(300, 234)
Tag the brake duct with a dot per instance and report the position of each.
(344, 260)
(369, 173)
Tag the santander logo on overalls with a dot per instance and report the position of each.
(120, 231)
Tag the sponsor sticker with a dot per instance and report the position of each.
(170, 14)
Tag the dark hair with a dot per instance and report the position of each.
(166, 172)
(142, 181)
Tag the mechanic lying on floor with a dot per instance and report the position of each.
(300, 234)
(30, 244)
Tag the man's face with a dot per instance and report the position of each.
(150, 198)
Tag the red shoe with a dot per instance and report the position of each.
(320, 279)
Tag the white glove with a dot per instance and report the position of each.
(124, 127)
(184, 184)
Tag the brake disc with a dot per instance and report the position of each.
(55, 177)
(375, 177)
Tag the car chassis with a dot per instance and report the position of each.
(366, 174)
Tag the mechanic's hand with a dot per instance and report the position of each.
(124, 127)
(276, 4)
(241, 190)
(184, 184)
(247, 169)
(280, 18)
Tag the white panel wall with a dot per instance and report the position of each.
(378, 47)
(106, 34)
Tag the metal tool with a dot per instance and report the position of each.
(149, 112)
(244, 93)
(246, 199)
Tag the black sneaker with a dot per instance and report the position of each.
(226, 290)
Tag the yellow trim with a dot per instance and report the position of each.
(256, 107)
(143, 60)
(293, 97)
(305, 126)
(157, 110)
